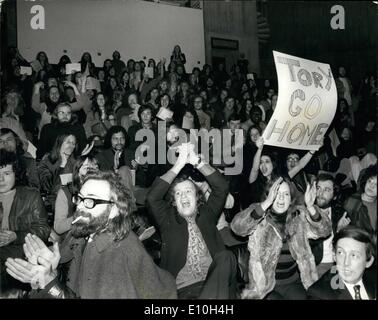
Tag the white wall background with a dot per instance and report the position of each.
(135, 28)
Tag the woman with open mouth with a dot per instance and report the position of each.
(281, 263)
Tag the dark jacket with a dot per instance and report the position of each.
(105, 159)
(173, 228)
(28, 215)
(322, 289)
(358, 213)
(104, 269)
(317, 245)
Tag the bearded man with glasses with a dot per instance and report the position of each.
(106, 259)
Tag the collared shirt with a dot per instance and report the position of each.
(327, 244)
(6, 200)
(363, 293)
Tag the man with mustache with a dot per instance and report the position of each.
(115, 155)
(107, 261)
(326, 199)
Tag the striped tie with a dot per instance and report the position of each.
(357, 295)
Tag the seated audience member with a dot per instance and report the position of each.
(327, 199)
(64, 124)
(11, 142)
(281, 264)
(353, 252)
(203, 117)
(59, 161)
(148, 84)
(47, 108)
(255, 118)
(117, 63)
(64, 207)
(177, 56)
(193, 250)
(221, 118)
(362, 206)
(115, 153)
(146, 118)
(21, 212)
(98, 119)
(114, 264)
(346, 148)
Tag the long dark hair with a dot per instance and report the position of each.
(19, 144)
(11, 158)
(75, 185)
(54, 155)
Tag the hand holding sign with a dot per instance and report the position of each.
(306, 103)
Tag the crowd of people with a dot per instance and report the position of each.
(82, 215)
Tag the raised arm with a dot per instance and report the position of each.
(301, 164)
(256, 161)
(36, 98)
(245, 222)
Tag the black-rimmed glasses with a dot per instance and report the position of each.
(89, 203)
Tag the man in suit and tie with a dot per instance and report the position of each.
(353, 253)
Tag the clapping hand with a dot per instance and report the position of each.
(272, 194)
(88, 148)
(34, 248)
(310, 195)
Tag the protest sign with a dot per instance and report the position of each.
(306, 103)
(72, 68)
(32, 150)
(164, 114)
(36, 65)
(26, 70)
(149, 71)
(66, 178)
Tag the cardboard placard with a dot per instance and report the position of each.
(32, 150)
(36, 65)
(26, 70)
(250, 76)
(66, 178)
(306, 103)
(149, 71)
(72, 68)
(164, 114)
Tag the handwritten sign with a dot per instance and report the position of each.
(72, 68)
(164, 114)
(306, 103)
(26, 70)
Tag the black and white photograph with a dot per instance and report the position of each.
(209, 151)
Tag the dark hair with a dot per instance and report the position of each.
(357, 234)
(274, 159)
(54, 155)
(75, 185)
(19, 143)
(326, 177)
(113, 130)
(369, 172)
(249, 132)
(146, 107)
(181, 178)
(234, 117)
(19, 168)
(120, 225)
(95, 106)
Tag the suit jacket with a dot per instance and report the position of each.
(173, 228)
(105, 159)
(322, 289)
(317, 245)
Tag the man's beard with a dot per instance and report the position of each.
(323, 204)
(82, 229)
